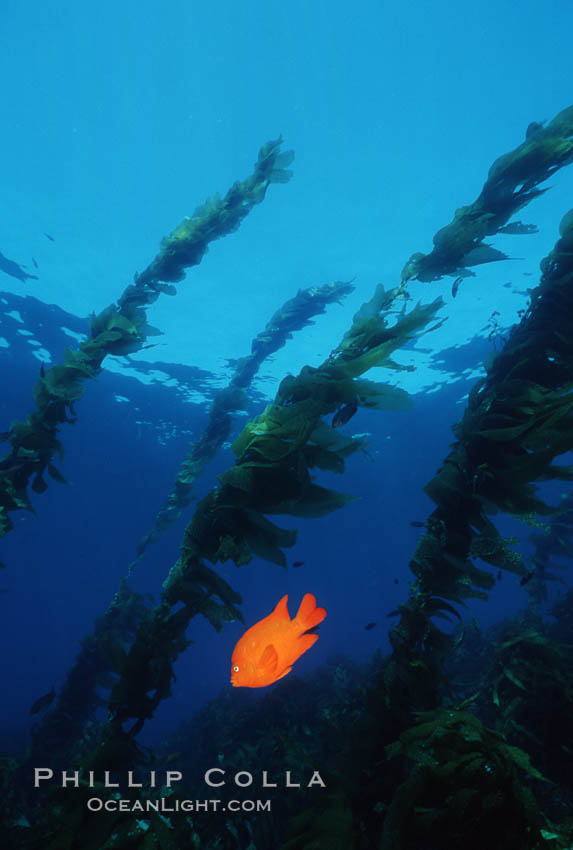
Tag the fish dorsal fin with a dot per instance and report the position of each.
(269, 658)
(281, 610)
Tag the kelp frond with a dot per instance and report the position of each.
(511, 184)
(294, 315)
(122, 329)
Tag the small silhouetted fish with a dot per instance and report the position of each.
(395, 581)
(417, 524)
(42, 371)
(344, 415)
(527, 578)
(456, 286)
(499, 575)
(47, 235)
(15, 270)
(34, 261)
(298, 563)
(369, 626)
(43, 703)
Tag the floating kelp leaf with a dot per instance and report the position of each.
(315, 501)
(434, 606)
(96, 347)
(383, 396)
(266, 539)
(280, 175)
(149, 330)
(283, 160)
(518, 228)
(398, 367)
(483, 254)
(322, 459)
(218, 614)
(123, 347)
(276, 434)
(335, 441)
(117, 321)
(216, 584)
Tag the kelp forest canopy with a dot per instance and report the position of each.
(405, 742)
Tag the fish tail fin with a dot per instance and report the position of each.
(309, 615)
(305, 642)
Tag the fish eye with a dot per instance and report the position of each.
(235, 669)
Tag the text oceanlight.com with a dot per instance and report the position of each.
(169, 804)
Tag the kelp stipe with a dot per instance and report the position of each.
(511, 184)
(122, 329)
(294, 315)
(518, 420)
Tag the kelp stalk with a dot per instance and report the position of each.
(294, 315)
(511, 184)
(519, 419)
(122, 329)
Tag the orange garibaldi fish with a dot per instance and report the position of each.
(267, 650)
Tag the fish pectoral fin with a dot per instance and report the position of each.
(269, 659)
(288, 669)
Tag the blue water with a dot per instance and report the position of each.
(118, 120)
